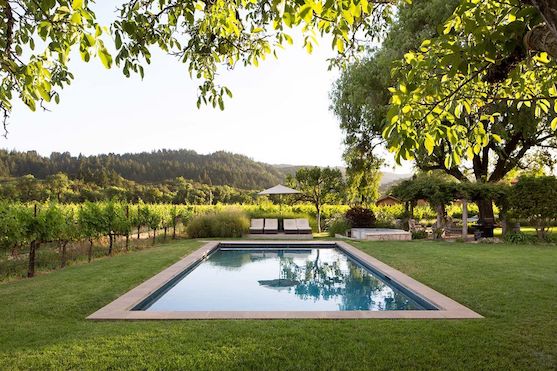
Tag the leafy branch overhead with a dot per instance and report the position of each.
(492, 58)
(39, 35)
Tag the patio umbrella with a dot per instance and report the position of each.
(279, 190)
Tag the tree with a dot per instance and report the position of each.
(29, 189)
(318, 186)
(535, 199)
(360, 97)
(367, 110)
(57, 185)
(363, 176)
(495, 60)
(38, 37)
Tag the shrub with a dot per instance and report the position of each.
(519, 238)
(338, 225)
(224, 224)
(535, 199)
(359, 217)
(419, 235)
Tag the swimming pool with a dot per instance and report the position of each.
(304, 278)
(278, 279)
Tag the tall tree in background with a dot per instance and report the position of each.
(363, 176)
(360, 97)
(318, 186)
(511, 135)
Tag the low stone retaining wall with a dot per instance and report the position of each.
(380, 234)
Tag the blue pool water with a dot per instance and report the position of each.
(312, 279)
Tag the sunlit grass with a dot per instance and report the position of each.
(528, 230)
(43, 325)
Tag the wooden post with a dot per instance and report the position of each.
(128, 225)
(464, 218)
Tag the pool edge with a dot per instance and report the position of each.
(121, 308)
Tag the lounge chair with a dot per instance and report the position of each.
(290, 226)
(271, 226)
(256, 226)
(303, 226)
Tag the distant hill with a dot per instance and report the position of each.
(390, 179)
(219, 168)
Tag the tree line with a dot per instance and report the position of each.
(219, 168)
(59, 187)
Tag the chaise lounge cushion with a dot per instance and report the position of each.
(271, 226)
(303, 226)
(256, 226)
(290, 226)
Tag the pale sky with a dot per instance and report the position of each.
(279, 113)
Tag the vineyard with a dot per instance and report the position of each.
(46, 236)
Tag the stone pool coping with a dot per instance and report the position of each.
(120, 309)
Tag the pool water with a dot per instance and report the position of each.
(312, 279)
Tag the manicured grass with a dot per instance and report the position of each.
(43, 325)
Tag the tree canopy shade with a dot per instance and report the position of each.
(39, 35)
(460, 91)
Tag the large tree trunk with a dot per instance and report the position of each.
(440, 215)
(541, 39)
(548, 10)
(32, 253)
(317, 206)
(485, 208)
(546, 38)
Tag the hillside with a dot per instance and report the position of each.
(219, 168)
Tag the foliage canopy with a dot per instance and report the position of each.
(39, 36)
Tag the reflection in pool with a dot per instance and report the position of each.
(313, 279)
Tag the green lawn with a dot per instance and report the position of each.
(528, 230)
(42, 320)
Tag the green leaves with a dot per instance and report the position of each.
(459, 87)
(554, 124)
(77, 4)
(429, 144)
(41, 69)
(104, 56)
(206, 37)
